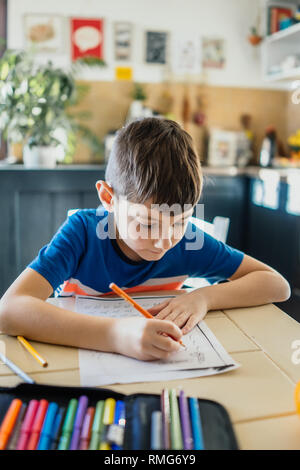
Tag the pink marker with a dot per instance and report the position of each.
(27, 424)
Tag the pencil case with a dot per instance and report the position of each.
(217, 428)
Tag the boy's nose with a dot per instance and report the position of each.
(163, 243)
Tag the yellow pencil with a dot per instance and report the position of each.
(32, 351)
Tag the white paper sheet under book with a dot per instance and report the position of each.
(204, 355)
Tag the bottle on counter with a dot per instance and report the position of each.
(268, 148)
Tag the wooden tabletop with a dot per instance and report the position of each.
(259, 396)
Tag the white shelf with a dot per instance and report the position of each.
(292, 74)
(284, 33)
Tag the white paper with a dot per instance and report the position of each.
(203, 355)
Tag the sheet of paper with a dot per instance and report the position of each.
(203, 355)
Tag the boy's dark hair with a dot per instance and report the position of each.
(155, 158)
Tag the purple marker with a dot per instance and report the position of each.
(80, 413)
(185, 421)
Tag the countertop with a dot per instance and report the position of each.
(251, 171)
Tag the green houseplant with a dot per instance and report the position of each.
(35, 109)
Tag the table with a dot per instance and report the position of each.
(258, 396)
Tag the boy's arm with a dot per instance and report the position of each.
(253, 283)
(23, 311)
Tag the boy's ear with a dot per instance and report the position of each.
(105, 193)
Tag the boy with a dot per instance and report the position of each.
(153, 183)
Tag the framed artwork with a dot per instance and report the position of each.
(213, 53)
(86, 38)
(44, 33)
(223, 147)
(186, 54)
(156, 47)
(122, 40)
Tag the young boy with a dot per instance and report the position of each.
(141, 239)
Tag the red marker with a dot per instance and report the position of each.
(27, 424)
(37, 425)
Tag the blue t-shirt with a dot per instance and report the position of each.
(80, 259)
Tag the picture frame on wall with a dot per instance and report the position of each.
(44, 33)
(213, 53)
(156, 47)
(86, 38)
(123, 41)
(223, 148)
(186, 54)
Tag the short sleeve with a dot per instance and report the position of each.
(213, 259)
(58, 260)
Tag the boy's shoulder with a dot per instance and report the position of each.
(88, 215)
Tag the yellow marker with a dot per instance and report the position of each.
(108, 418)
(32, 351)
(104, 446)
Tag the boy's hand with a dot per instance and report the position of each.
(142, 338)
(185, 311)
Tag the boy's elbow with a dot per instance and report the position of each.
(284, 290)
(6, 317)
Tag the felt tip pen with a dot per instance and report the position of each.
(166, 419)
(9, 422)
(185, 421)
(48, 427)
(176, 436)
(12, 445)
(80, 413)
(196, 424)
(108, 418)
(115, 434)
(67, 428)
(97, 426)
(156, 429)
(27, 424)
(58, 424)
(86, 431)
(37, 425)
(16, 369)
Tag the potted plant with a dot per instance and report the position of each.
(35, 105)
(254, 37)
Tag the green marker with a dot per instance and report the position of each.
(67, 428)
(176, 435)
(97, 426)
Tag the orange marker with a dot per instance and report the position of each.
(138, 307)
(9, 421)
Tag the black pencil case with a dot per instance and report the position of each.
(217, 429)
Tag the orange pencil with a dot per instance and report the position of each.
(32, 351)
(138, 307)
(9, 421)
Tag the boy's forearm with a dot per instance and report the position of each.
(41, 321)
(255, 288)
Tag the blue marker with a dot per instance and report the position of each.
(196, 424)
(116, 431)
(57, 428)
(48, 427)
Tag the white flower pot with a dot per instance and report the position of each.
(37, 157)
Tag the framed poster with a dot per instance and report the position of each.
(86, 38)
(223, 147)
(213, 53)
(187, 54)
(156, 47)
(122, 40)
(44, 33)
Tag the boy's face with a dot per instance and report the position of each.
(147, 231)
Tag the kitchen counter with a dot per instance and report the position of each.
(251, 171)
